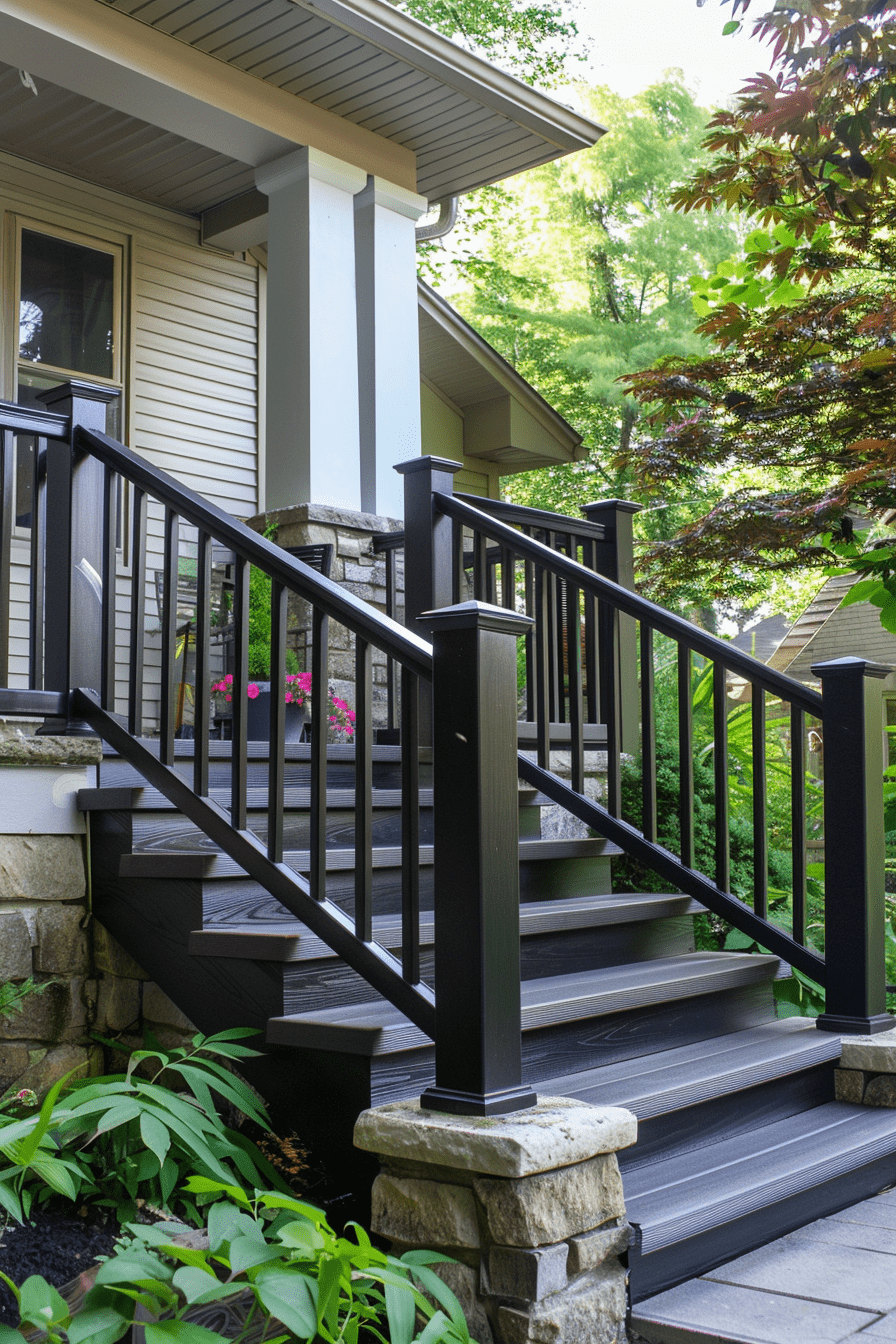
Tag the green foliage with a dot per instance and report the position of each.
(13, 997)
(279, 1252)
(785, 426)
(119, 1137)
(534, 42)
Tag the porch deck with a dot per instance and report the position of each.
(831, 1282)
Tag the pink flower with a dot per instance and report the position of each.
(228, 698)
(289, 697)
(252, 691)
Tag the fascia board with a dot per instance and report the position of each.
(97, 52)
(420, 47)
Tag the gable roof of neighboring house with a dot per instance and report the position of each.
(506, 420)
(178, 103)
(827, 630)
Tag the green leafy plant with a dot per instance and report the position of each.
(281, 1255)
(121, 1137)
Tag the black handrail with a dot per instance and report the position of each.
(521, 515)
(335, 602)
(633, 604)
(554, 583)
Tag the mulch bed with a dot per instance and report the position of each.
(57, 1243)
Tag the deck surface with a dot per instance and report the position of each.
(831, 1282)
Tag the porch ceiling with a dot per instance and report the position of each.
(466, 122)
(76, 135)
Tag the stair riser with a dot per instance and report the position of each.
(552, 879)
(307, 985)
(663, 1269)
(574, 1046)
(724, 1117)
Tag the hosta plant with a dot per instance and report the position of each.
(277, 1253)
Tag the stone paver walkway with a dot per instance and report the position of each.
(833, 1282)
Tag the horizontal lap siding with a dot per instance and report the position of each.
(194, 396)
(191, 339)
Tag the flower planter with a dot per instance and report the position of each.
(258, 718)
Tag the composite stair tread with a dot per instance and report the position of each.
(204, 859)
(289, 940)
(652, 1085)
(672, 1199)
(379, 1028)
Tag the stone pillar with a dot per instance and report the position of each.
(388, 339)
(312, 448)
(867, 1072)
(529, 1204)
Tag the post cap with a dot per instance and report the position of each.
(478, 616)
(844, 666)
(428, 464)
(75, 389)
(611, 505)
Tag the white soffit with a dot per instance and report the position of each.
(467, 123)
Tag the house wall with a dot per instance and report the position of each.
(191, 355)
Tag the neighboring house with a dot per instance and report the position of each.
(825, 629)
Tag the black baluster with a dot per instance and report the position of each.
(685, 758)
(169, 638)
(760, 823)
(239, 733)
(574, 664)
(38, 565)
(317, 838)
(608, 627)
(541, 638)
(138, 614)
(363, 791)
(720, 764)
(276, 756)
(107, 616)
(798, 818)
(410, 828)
(648, 736)
(202, 691)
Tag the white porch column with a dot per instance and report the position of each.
(388, 340)
(312, 439)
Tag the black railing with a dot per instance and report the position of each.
(124, 592)
(578, 614)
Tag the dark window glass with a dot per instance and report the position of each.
(66, 308)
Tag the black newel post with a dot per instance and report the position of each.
(855, 991)
(428, 581)
(74, 563)
(615, 559)
(476, 862)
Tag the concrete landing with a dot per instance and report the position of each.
(833, 1282)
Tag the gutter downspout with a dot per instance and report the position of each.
(425, 233)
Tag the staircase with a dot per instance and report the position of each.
(740, 1138)
(360, 904)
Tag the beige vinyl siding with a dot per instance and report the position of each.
(191, 359)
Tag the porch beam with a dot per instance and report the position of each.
(93, 50)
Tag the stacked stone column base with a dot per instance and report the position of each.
(530, 1205)
(867, 1073)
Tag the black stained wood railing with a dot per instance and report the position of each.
(578, 616)
(118, 550)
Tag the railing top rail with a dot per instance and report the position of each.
(675, 627)
(388, 541)
(28, 420)
(526, 517)
(386, 634)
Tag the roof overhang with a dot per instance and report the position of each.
(250, 80)
(505, 420)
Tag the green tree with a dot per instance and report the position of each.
(583, 276)
(534, 42)
(799, 388)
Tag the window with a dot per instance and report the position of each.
(69, 326)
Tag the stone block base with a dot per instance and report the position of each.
(867, 1073)
(530, 1205)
